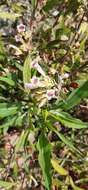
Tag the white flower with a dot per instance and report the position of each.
(29, 86)
(21, 28)
(36, 66)
(17, 38)
(51, 94)
(55, 13)
(65, 76)
(34, 83)
(35, 80)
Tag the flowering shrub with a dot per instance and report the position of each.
(43, 94)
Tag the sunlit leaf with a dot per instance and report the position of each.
(33, 2)
(4, 112)
(10, 16)
(76, 96)
(74, 186)
(64, 139)
(59, 169)
(57, 183)
(6, 185)
(18, 7)
(7, 80)
(27, 70)
(21, 141)
(44, 159)
(9, 122)
(68, 142)
(67, 120)
(84, 27)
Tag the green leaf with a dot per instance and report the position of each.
(18, 66)
(5, 112)
(64, 139)
(7, 80)
(2, 48)
(18, 7)
(19, 120)
(2, 98)
(58, 168)
(6, 185)
(3, 105)
(52, 44)
(57, 183)
(51, 4)
(10, 16)
(27, 70)
(9, 122)
(21, 141)
(67, 141)
(67, 120)
(44, 159)
(76, 96)
(33, 2)
(74, 186)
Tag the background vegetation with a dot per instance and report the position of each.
(44, 95)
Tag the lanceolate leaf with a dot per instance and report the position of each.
(64, 138)
(58, 168)
(51, 4)
(57, 183)
(67, 141)
(9, 122)
(76, 96)
(33, 2)
(6, 185)
(7, 80)
(74, 186)
(67, 120)
(21, 141)
(5, 112)
(10, 16)
(27, 70)
(44, 159)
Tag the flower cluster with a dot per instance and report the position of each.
(45, 88)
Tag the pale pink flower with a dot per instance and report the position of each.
(34, 83)
(29, 86)
(50, 94)
(35, 80)
(21, 28)
(65, 76)
(17, 38)
(36, 66)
